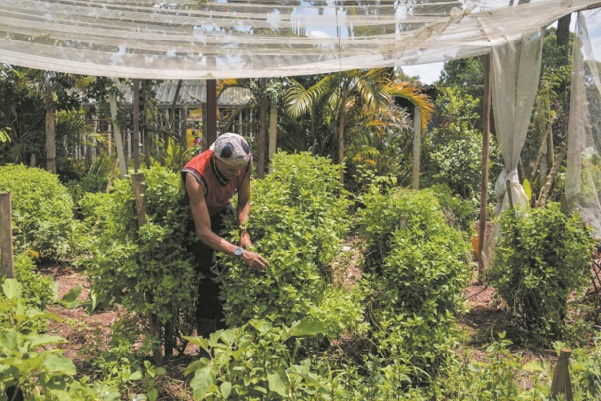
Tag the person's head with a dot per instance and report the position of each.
(232, 154)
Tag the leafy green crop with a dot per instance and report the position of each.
(542, 257)
(147, 269)
(298, 221)
(26, 361)
(42, 210)
(417, 268)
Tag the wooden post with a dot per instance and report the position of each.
(262, 129)
(211, 133)
(273, 135)
(138, 182)
(6, 236)
(417, 140)
(117, 133)
(561, 383)
(136, 106)
(484, 169)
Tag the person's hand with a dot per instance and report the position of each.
(254, 260)
(245, 241)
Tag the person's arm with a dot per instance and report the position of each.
(244, 210)
(202, 221)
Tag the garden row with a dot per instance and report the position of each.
(296, 331)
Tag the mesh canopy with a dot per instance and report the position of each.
(182, 39)
(583, 176)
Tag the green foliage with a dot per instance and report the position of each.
(460, 213)
(453, 151)
(37, 290)
(26, 360)
(146, 269)
(258, 361)
(494, 379)
(90, 183)
(417, 268)
(298, 223)
(542, 258)
(42, 210)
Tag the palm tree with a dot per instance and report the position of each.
(352, 93)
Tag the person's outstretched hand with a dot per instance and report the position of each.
(254, 260)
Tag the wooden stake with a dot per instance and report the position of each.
(484, 168)
(561, 383)
(417, 140)
(138, 182)
(136, 106)
(6, 236)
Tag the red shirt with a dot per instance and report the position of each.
(217, 189)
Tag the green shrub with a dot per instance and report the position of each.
(298, 222)
(255, 362)
(37, 290)
(29, 363)
(91, 183)
(42, 210)
(417, 267)
(542, 257)
(146, 269)
(460, 213)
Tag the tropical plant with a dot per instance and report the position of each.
(337, 98)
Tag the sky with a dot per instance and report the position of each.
(428, 73)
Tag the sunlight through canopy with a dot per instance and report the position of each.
(183, 39)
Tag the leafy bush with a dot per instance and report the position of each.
(254, 362)
(298, 222)
(42, 210)
(37, 290)
(27, 363)
(417, 268)
(460, 213)
(91, 183)
(147, 269)
(541, 259)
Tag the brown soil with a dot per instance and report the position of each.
(482, 322)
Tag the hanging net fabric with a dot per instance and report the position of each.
(183, 39)
(583, 175)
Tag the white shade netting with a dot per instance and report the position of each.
(583, 175)
(183, 39)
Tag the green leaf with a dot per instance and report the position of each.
(35, 340)
(59, 364)
(225, 389)
(12, 288)
(278, 381)
(535, 366)
(306, 327)
(69, 300)
(137, 375)
(200, 341)
(153, 394)
(202, 382)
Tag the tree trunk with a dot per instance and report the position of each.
(50, 128)
(117, 134)
(273, 132)
(262, 129)
(136, 117)
(544, 196)
(563, 37)
(341, 121)
(182, 137)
